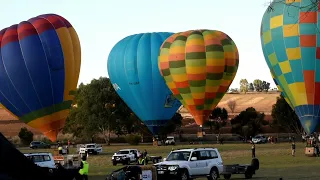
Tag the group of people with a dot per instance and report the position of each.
(142, 160)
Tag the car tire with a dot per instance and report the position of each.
(114, 163)
(214, 174)
(227, 176)
(248, 175)
(184, 174)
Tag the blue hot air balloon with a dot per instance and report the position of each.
(134, 74)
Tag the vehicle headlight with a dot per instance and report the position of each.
(112, 157)
(173, 168)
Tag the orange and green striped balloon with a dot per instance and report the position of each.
(198, 66)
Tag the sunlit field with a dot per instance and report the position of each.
(275, 159)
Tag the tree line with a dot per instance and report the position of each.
(257, 85)
(98, 111)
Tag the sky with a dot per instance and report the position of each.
(100, 24)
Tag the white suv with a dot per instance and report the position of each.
(42, 159)
(186, 164)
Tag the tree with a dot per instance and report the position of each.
(248, 122)
(173, 124)
(98, 110)
(265, 86)
(217, 119)
(284, 117)
(234, 90)
(258, 85)
(251, 87)
(25, 136)
(244, 85)
(232, 105)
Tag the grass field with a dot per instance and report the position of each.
(275, 160)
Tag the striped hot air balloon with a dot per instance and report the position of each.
(39, 68)
(199, 66)
(283, 93)
(290, 42)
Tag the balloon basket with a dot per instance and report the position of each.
(200, 134)
(310, 152)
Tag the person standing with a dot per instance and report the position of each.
(84, 169)
(253, 150)
(141, 160)
(293, 149)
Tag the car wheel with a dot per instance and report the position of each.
(248, 175)
(114, 163)
(227, 176)
(184, 175)
(214, 174)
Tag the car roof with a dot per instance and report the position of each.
(127, 149)
(37, 153)
(194, 149)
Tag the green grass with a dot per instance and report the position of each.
(275, 159)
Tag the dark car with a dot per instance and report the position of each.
(38, 145)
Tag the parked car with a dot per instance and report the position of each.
(42, 159)
(186, 164)
(39, 144)
(92, 148)
(170, 140)
(259, 139)
(125, 156)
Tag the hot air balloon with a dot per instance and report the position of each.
(198, 67)
(134, 74)
(290, 41)
(283, 94)
(39, 69)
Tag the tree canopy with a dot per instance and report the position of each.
(98, 110)
(285, 117)
(248, 122)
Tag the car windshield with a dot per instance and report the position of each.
(123, 152)
(179, 156)
(90, 146)
(169, 138)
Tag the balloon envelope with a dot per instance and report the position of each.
(39, 68)
(134, 73)
(199, 66)
(290, 41)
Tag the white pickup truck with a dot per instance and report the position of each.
(92, 148)
(125, 156)
(42, 159)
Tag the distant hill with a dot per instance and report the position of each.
(262, 102)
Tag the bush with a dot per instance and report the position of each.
(133, 139)
(25, 136)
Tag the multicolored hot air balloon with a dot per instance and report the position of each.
(199, 66)
(283, 94)
(290, 43)
(39, 69)
(133, 71)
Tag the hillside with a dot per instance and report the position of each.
(262, 102)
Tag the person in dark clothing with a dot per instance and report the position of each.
(145, 153)
(253, 149)
(293, 149)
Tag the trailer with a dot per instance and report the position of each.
(247, 169)
(153, 159)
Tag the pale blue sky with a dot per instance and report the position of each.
(100, 24)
